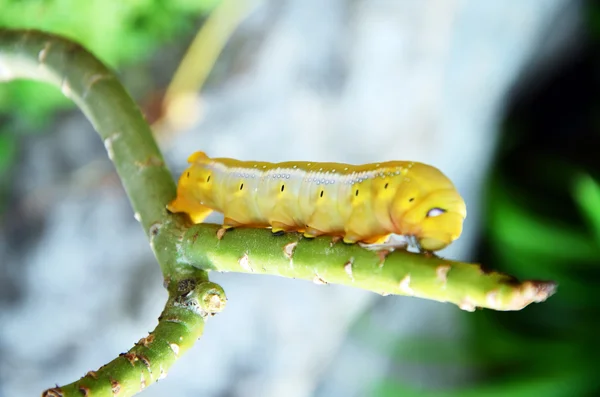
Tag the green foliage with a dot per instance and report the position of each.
(587, 195)
(7, 152)
(118, 32)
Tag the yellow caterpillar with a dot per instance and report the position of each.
(361, 203)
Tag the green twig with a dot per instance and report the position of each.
(322, 261)
(180, 325)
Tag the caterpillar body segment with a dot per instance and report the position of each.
(361, 203)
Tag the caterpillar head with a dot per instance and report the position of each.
(428, 207)
(192, 191)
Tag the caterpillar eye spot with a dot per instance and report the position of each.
(188, 174)
(241, 186)
(282, 186)
(386, 185)
(208, 179)
(435, 212)
(321, 195)
(410, 200)
(356, 194)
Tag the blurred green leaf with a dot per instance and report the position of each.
(515, 228)
(587, 195)
(574, 381)
(8, 144)
(119, 33)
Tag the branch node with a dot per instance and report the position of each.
(115, 386)
(220, 233)
(348, 268)
(65, 88)
(44, 52)
(319, 280)
(467, 304)
(108, 143)
(212, 297)
(162, 372)
(131, 357)
(152, 161)
(175, 348)
(92, 81)
(441, 273)
(54, 392)
(244, 262)
(154, 229)
(289, 248)
(404, 286)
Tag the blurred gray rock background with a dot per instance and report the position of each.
(353, 81)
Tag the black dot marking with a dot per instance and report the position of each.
(188, 174)
(282, 186)
(356, 194)
(410, 200)
(386, 185)
(208, 179)
(241, 186)
(321, 195)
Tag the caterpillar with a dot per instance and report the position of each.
(359, 203)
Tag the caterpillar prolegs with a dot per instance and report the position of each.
(361, 203)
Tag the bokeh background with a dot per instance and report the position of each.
(502, 96)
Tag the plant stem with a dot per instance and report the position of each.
(322, 261)
(149, 186)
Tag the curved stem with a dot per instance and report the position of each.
(149, 186)
(180, 325)
(99, 94)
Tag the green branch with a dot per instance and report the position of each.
(180, 325)
(324, 262)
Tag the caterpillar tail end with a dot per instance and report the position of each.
(195, 211)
